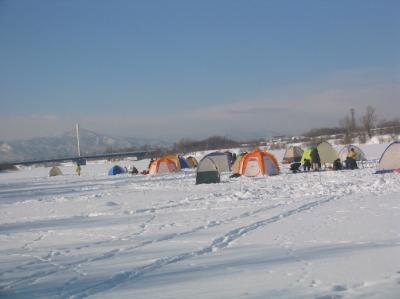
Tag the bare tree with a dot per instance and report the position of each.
(369, 120)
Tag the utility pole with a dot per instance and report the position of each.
(77, 139)
(353, 119)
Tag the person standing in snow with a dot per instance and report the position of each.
(351, 160)
(315, 159)
(78, 169)
(233, 157)
(306, 165)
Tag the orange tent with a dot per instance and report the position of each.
(236, 164)
(258, 163)
(161, 166)
(179, 161)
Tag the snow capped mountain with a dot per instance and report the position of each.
(66, 145)
(5, 148)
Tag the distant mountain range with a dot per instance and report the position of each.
(65, 145)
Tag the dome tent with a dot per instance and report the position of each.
(179, 161)
(55, 171)
(236, 164)
(327, 153)
(116, 169)
(162, 166)
(192, 162)
(221, 160)
(207, 171)
(258, 163)
(292, 154)
(390, 159)
(343, 153)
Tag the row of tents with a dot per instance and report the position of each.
(171, 163)
(389, 161)
(166, 164)
(254, 163)
(257, 162)
(326, 152)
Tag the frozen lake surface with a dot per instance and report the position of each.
(307, 235)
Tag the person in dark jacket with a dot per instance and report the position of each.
(295, 167)
(315, 159)
(134, 170)
(306, 165)
(337, 165)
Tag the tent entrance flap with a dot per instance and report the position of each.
(253, 168)
(208, 177)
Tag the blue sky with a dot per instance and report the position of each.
(177, 69)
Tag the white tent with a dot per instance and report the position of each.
(390, 159)
(292, 154)
(207, 171)
(345, 151)
(221, 160)
(327, 153)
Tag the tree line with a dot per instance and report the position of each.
(362, 128)
(349, 128)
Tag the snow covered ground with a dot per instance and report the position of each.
(307, 235)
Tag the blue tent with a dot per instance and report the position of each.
(183, 162)
(116, 169)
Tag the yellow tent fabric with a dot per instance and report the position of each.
(54, 171)
(192, 162)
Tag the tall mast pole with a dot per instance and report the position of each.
(77, 138)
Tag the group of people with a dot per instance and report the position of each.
(314, 163)
(349, 163)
